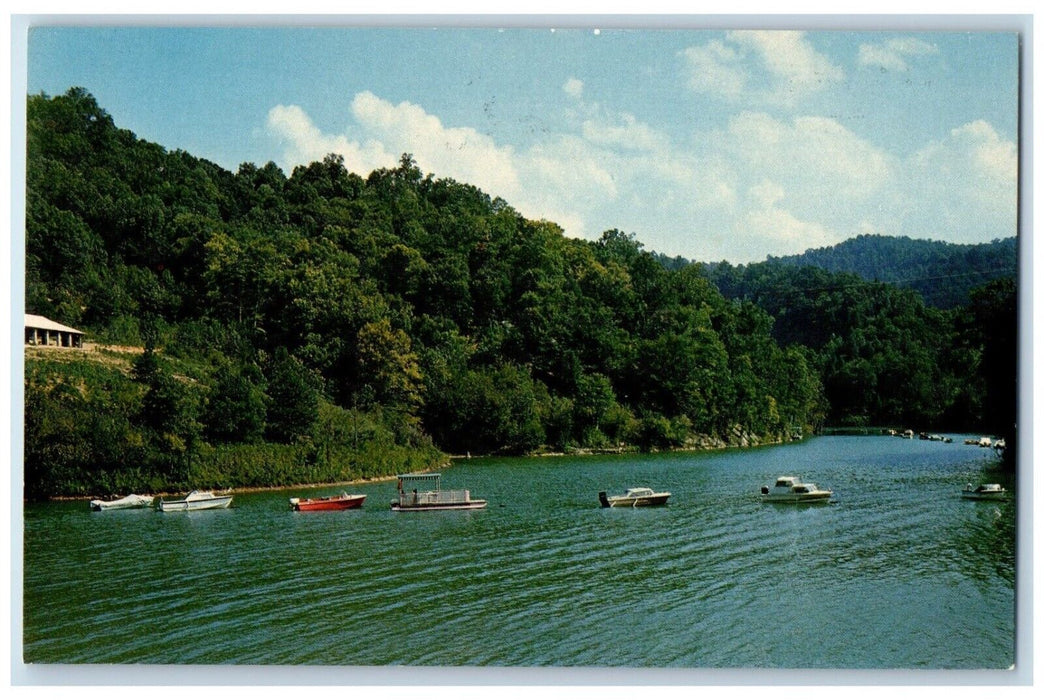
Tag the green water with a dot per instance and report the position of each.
(899, 572)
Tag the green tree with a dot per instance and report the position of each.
(995, 313)
(236, 407)
(389, 366)
(293, 399)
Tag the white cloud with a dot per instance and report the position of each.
(303, 142)
(766, 194)
(627, 133)
(970, 178)
(391, 130)
(568, 169)
(994, 159)
(777, 67)
(892, 54)
(816, 152)
(791, 59)
(716, 68)
(574, 88)
(458, 152)
(778, 232)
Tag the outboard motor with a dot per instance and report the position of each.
(764, 490)
(603, 499)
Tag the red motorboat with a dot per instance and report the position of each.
(341, 502)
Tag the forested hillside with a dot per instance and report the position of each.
(944, 274)
(297, 327)
(884, 356)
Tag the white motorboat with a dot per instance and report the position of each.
(197, 500)
(985, 492)
(635, 497)
(131, 501)
(790, 489)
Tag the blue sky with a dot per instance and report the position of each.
(709, 144)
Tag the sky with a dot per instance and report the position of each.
(710, 144)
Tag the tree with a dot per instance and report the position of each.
(388, 365)
(236, 407)
(293, 399)
(995, 313)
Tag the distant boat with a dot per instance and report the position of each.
(985, 492)
(632, 498)
(131, 501)
(790, 489)
(424, 492)
(197, 500)
(344, 501)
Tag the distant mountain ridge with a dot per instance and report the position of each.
(942, 273)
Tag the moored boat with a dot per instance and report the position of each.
(344, 501)
(424, 492)
(790, 489)
(985, 492)
(131, 501)
(197, 500)
(634, 497)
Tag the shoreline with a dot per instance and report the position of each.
(581, 452)
(247, 489)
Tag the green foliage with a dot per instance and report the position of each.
(293, 399)
(87, 432)
(945, 275)
(993, 327)
(81, 430)
(237, 406)
(389, 366)
(882, 355)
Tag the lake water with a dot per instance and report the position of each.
(898, 573)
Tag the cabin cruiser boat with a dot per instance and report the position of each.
(424, 492)
(131, 501)
(790, 489)
(344, 501)
(985, 492)
(197, 500)
(638, 496)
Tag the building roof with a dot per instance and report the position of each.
(34, 321)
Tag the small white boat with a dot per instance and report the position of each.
(197, 500)
(790, 489)
(638, 496)
(985, 492)
(131, 501)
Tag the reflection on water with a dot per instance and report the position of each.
(898, 572)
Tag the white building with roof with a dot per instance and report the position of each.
(43, 331)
